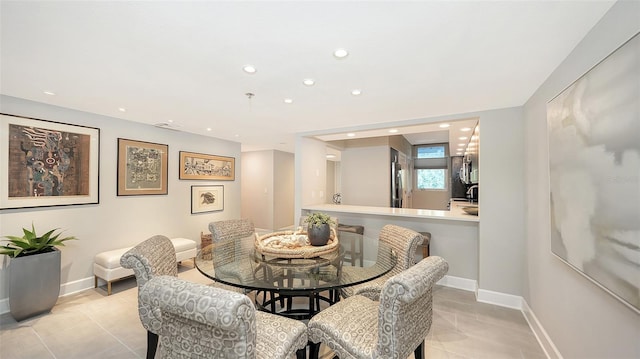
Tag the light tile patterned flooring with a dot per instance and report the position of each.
(91, 324)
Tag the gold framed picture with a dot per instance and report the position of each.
(199, 166)
(207, 199)
(142, 168)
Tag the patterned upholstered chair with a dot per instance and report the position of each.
(397, 325)
(226, 237)
(154, 257)
(404, 242)
(200, 321)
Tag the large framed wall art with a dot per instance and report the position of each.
(45, 163)
(142, 168)
(199, 166)
(207, 199)
(594, 167)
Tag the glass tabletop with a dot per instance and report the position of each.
(239, 264)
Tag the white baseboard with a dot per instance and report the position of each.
(65, 289)
(76, 286)
(459, 283)
(541, 335)
(4, 305)
(501, 299)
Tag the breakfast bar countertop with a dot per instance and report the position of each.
(455, 214)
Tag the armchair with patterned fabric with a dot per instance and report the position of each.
(404, 243)
(200, 321)
(153, 257)
(397, 325)
(229, 239)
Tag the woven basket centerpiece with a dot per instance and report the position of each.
(290, 244)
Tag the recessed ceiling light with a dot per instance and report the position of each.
(236, 135)
(308, 82)
(356, 92)
(444, 125)
(209, 129)
(465, 129)
(462, 138)
(122, 109)
(170, 121)
(351, 134)
(288, 100)
(49, 93)
(393, 130)
(340, 53)
(250, 69)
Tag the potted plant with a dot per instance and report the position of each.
(34, 271)
(318, 228)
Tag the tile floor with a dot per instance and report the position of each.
(91, 324)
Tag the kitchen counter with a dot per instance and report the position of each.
(455, 214)
(454, 234)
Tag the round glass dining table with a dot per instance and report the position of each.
(276, 281)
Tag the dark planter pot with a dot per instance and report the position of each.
(319, 234)
(34, 284)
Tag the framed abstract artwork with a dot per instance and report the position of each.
(142, 168)
(199, 166)
(45, 163)
(594, 168)
(207, 199)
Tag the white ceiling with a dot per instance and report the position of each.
(182, 61)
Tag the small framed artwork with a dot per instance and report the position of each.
(199, 166)
(207, 199)
(142, 168)
(45, 163)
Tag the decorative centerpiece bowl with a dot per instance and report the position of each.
(293, 244)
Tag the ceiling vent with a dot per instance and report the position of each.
(168, 126)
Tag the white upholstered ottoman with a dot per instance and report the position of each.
(107, 267)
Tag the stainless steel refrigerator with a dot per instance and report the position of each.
(396, 180)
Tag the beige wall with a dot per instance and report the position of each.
(331, 181)
(268, 188)
(365, 176)
(310, 173)
(425, 199)
(257, 188)
(283, 189)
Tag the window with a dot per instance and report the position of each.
(431, 179)
(431, 167)
(431, 152)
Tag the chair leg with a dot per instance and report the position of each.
(314, 350)
(301, 353)
(419, 352)
(152, 345)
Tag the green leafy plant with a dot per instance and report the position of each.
(317, 219)
(30, 243)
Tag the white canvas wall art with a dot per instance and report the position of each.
(594, 165)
